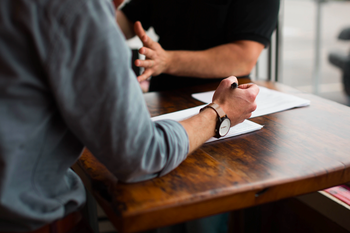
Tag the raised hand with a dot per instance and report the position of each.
(157, 59)
(238, 103)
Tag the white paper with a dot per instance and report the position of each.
(242, 128)
(179, 115)
(268, 101)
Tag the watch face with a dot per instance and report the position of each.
(224, 127)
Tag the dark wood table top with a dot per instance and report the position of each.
(298, 151)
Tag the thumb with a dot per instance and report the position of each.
(246, 85)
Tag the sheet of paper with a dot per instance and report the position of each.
(268, 101)
(242, 128)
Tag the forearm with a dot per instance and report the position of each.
(236, 59)
(125, 25)
(200, 128)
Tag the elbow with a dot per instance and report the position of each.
(150, 154)
(244, 56)
(139, 163)
(132, 179)
(135, 172)
(249, 67)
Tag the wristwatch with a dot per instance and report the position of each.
(223, 123)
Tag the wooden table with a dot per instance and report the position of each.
(298, 151)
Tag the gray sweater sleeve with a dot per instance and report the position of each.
(99, 97)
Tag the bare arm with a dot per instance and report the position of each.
(126, 26)
(200, 128)
(237, 58)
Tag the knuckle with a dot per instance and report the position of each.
(226, 82)
(251, 96)
(157, 45)
(254, 106)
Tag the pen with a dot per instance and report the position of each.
(234, 85)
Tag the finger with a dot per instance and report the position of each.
(139, 31)
(254, 107)
(251, 86)
(149, 53)
(144, 63)
(246, 85)
(145, 75)
(148, 42)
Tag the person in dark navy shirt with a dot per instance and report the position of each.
(199, 40)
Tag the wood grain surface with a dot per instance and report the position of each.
(296, 152)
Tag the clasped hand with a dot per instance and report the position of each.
(238, 103)
(157, 59)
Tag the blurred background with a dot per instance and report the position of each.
(301, 18)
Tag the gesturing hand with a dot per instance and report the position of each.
(238, 103)
(156, 57)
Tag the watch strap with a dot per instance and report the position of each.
(216, 108)
(221, 115)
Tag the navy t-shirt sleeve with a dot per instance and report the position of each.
(206, 23)
(252, 20)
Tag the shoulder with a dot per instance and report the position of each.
(66, 11)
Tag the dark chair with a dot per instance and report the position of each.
(341, 59)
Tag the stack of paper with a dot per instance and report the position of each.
(268, 101)
(242, 128)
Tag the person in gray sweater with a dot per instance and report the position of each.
(66, 83)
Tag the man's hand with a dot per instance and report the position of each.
(238, 103)
(157, 59)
